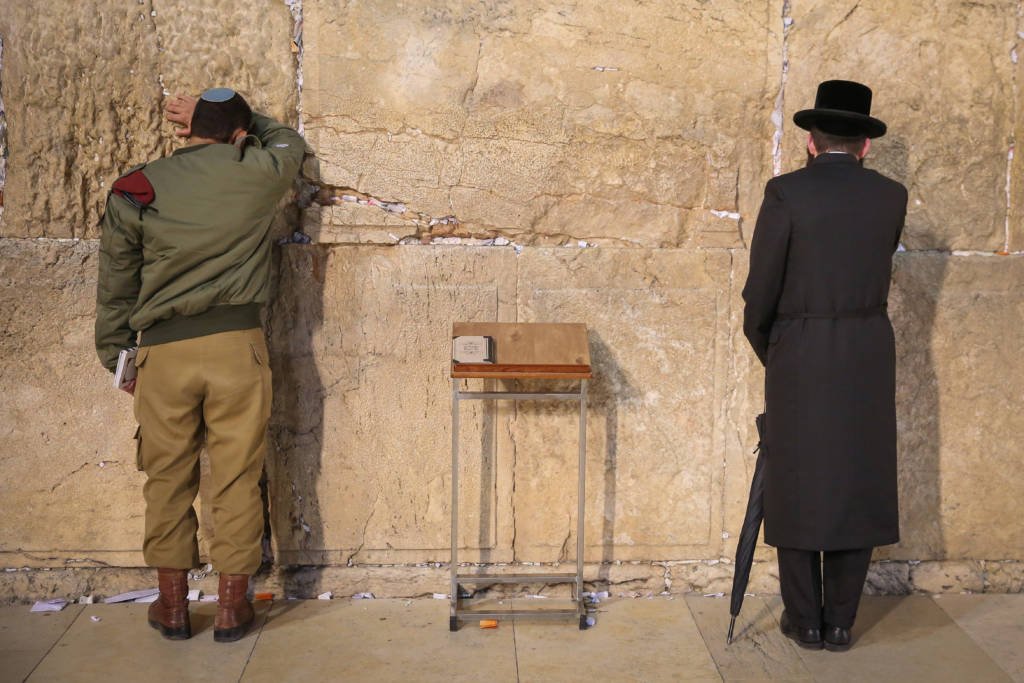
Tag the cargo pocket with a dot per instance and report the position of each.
(266, 379)
(255, 354)
(138, 449)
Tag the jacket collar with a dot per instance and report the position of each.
(835, 158)
(217, 150)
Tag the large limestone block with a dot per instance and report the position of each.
(608, 123)
(84, 85)
(658, 325)
(959, 374)
(70, 493)
(942, 75)
(359, 463)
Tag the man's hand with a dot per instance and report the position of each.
(179, 110)
(130, 388)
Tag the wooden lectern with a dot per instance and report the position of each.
(523, 351)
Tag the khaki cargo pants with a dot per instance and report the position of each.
(215, 388)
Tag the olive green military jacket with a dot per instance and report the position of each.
(186, 234)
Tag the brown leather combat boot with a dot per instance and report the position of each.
(234, 611)
(169, 612)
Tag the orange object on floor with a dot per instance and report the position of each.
(263, 596)
(488, 623)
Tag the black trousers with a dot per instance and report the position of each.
(812, 596)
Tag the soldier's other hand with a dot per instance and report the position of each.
(129, 388)
(179, 111)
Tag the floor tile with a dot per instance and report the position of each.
(758, 651)
(377, 640)
(122, 647)
(902, 638)
(632, 640)
(25, 637)
(995, 623)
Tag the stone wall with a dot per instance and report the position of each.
(520, 161)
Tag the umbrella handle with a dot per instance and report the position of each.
(732, 623)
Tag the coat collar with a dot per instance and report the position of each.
(209, 149)
(835, 158)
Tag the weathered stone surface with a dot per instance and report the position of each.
(948, 577)
(658, 325)
(70, 490)
(701, 577)
(950, 151)
(359, 465)
(959, 373)
(888, 578)
(83, 88)
(640, 578)
(547, 124)
(408, 581)
(1004, 577)
(496, 114)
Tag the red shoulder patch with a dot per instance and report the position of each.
(136, 188)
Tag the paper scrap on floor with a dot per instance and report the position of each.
(193, 595)
(55, 605)
(133, 595)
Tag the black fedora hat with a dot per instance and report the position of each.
(842, 108)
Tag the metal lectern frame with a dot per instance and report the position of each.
(576, 578)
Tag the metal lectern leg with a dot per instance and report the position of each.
(453, 623)
(581, 493)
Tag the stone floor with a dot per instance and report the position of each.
(971, 638)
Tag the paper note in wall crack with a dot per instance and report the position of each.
(473, 349)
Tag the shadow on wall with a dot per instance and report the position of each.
(609, 388)
(606, 391)
(295, 451)
(918, 279)
(917, 282)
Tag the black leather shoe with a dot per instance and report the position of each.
(837, 639)
(809, 638)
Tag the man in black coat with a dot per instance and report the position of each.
(815, 315)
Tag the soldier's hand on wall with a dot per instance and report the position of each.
(179, 110)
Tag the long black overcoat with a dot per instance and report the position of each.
(820, 267)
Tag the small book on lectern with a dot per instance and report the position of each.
(467, 349)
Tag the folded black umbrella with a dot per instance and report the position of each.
(751, 528)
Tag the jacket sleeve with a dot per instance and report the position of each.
(768, 253)
(117, 287)
(282, 148)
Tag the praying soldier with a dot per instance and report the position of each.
(184, 269)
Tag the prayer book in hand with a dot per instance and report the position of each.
(126, 369)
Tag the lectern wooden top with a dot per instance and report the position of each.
(529, 351)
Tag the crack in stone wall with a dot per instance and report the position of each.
(3, 134)
(1014, 58)
(295, 6)
(778, 115)
(95, 578)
